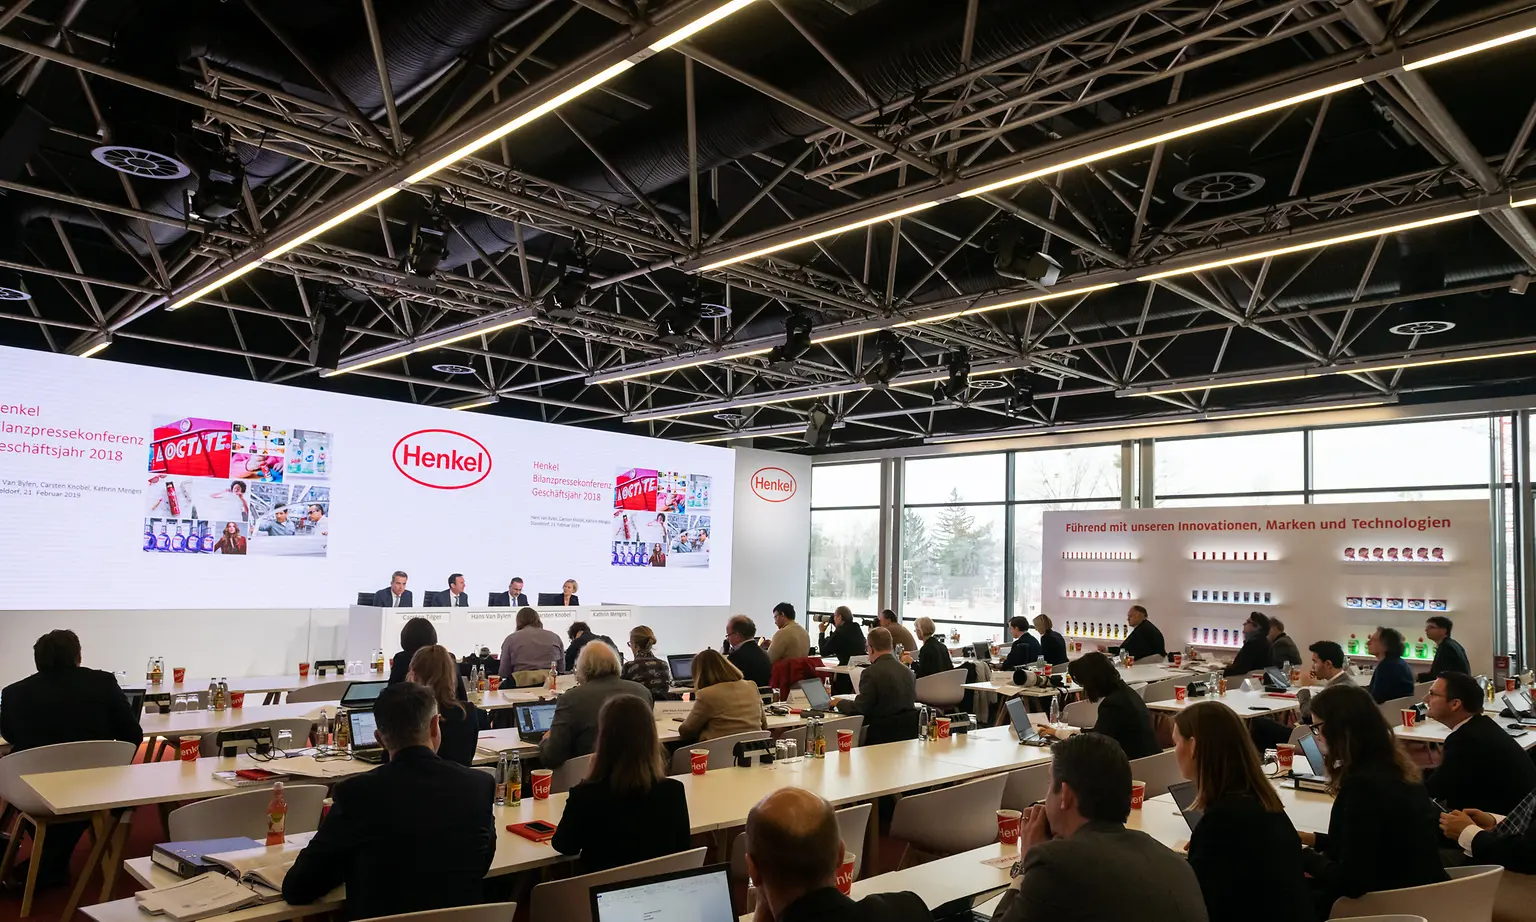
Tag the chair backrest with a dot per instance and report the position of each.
(480, 912)
(942, 689)
(570, 774)
(1161, 691)
(245, 814)
(299, 727)
(1467, 897)
(1516, 897)
(1083, 714)
(60, 757)
(852, 824)
(1392, 709)
(854, 723)
(1027, 786)
(952, 819)
(324, 691)
(569, 900)
(1157, 771)
(720, 751)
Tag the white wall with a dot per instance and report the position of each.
(770, 554)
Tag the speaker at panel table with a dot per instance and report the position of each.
(232, 488)
(660, 519)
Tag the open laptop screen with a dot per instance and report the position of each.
(534, 718)
(363, 726)
(681, 666)
(1314, 754)
(815, 694)
(1184, 795)
(700, 895)
(361, 694)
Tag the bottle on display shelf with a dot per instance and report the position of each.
(1194, 635)
(1354, 644)
(1419, 649)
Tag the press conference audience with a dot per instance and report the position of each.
(412, 835)
(790, 641)
(1391, 678)
(1145, 639)
(1254, 655)
(724, 703)
(1450, 655)
(414, 634)
(900, 637)
(529, 647)
(1487, 838)
(63, 702)
(1283, 651)
(1025, 649)
(1330, 667)
(887, 695)
(626, 809)
(1244, 845)
(745, 653)
(1382, 832)
(644, 667)
(1123, 714)
(932, 651)
(573, 728)
(794, 850)
(1080, 862)
(458, 721)
(580, 634)
(1053, 646)
(1481, 766)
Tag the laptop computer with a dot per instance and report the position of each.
(981, 650)
(1184, 795)
(681, 665)
(698, 895)
(365, 746)
(816, 698)
(967, 908)
(533, 720)
(362, 694)
(1018, 715)
(135, 698)
(1313, 777)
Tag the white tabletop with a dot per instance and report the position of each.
(1433, 731)
(203, 720)
(1246, 704)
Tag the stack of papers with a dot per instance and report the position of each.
(210, 894)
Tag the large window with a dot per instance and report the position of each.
(845, 536)
(1050, 480)
(953, 537)
(1404, 461)
(1230, 470)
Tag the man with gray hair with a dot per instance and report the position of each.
(411, 835)
(573, 729)
(887, 695)
(530, 646)
(395, 595)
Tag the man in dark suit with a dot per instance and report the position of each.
(573, 729)
(1145, 639)
(452, 597)
(1450, 655)
(1481, 766)
(395, 595)
(1079, 832)
(64, 702)
(745, 653)
(512, 598)
(887, 694)
(793, 855)
(414, 834)
(1025, 649)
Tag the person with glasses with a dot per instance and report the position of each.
(1481, 765)
(1254, 655)
(644, 666)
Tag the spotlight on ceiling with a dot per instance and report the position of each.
(429, 242)
(1022, 397)
(797, 340)
(959, 368)
(891, 353)
(220, 187)
(680, 318)
(818, 427)
(1015, 261)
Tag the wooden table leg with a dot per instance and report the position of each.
(101, 831)
(39, 832)
(872, 840)
(114, 856)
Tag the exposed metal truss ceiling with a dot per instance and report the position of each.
(593, 229)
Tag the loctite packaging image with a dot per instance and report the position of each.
(660, 519)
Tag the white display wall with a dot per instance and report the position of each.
(1200, 571)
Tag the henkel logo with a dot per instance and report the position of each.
(442, 459)
(773, 484)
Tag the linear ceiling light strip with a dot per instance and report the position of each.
(1160, 421)
(402, 350)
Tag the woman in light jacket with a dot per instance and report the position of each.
(724, 703)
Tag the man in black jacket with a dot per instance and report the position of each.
(1450, 655)
(745, 653)
(1025, 649)
(1053, 646)
(846, 642)
(411, 835)
(794, 852)
(1145, 639)
(887, 695)
(64, 702)
(1254, 656)
(1481, 766)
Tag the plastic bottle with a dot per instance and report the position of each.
(554, 670)
(277, 816)
(208, 539)
(1055, 711)
(503, 770)
(178, 541)
(213, 693)
(163, 540)
(320, 461)
(343, 730)
(515, 780)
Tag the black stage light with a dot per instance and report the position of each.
(959, 380)
(891, 352)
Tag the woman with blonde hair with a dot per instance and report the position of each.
(932, 652)
(459, 721)
(724, 703)
(645, 667)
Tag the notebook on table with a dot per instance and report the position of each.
(187, 859)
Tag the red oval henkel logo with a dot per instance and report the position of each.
(773, 484)
(442, 459)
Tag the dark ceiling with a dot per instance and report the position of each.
(802, 113)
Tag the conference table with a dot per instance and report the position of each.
(1434, 733)
(1246, 704)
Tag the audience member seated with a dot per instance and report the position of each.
(902, 641)
(1450, 655)
(1254, 655)
(1078, 860)
(63, 702)
(724, 703)
(1053, 646)
(573, 729)
(414, 634)
(790, 641)
(580, 634)
(644, 667)
(887, 695)
(1508, 841)
(1025, 649)
(1145, 639)
(1391, 678)
(1383, 832)
(627, 809)
(1244, 851)
(932, 652)
(1481, 766)
(1123, 715)
(412, 835)
(529, 648)
(1328, 667)
(458, 721)
(745, 653)
(1283, 652)
(845, 642)
(793, 853)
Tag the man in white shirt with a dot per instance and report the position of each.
(453, 597)
(395, 595)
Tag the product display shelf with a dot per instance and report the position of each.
(1254, 561)
(1249, 603)
(1406, 564)
(1426, 612)
(1101, 598)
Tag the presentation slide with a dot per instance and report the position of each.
(115, 478)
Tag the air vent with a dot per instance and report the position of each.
(1225, 186)
(1423, 328)
(713, 311)
(730, 418)
(136, 161)
(988, 384)
(454, 369)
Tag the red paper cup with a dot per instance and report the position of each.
(1138, 794)
(303, 670)
(1509, 684)
(494, 681)
(1180, 692)
(845, 872)
(1010, 823)
(1410, 717)
(325, 809)
(179, 674)
(541, 779)
(1178, 660)
(943, 723)
(237, 699)
(1047, 670)
(844, 740)
(698, 760)
(189, 748)
(1285, 754)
